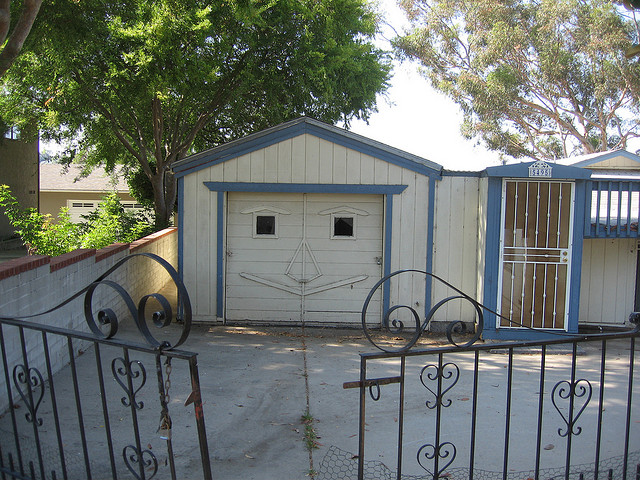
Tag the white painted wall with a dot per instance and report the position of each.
(456, 245)
(608, 280)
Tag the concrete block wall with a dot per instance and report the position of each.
(32, 285)
(152, 277)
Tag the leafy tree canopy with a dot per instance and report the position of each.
(541, 79)
(145, 83)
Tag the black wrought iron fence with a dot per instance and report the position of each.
(88, 405)
(553, 409)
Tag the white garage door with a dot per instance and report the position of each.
(294, 257)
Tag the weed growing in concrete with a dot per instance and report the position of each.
(310, 436)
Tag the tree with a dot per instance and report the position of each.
(11, 43)
(146, 83)
(534, 79)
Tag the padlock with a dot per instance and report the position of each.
(165, 427)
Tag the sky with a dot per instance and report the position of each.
(413, 117)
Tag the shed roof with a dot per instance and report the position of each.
(56, 178)
(591, 159)
(299, 127)
(524, 170)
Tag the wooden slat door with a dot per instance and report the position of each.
(535, 252)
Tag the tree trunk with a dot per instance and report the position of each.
(164, 197)
(13, 46)
(159, 203)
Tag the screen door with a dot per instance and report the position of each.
(535, 254)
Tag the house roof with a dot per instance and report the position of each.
(591, 159)
(299, 127)
(56, 178)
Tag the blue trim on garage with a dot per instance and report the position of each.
(220, 221)
(233, 149)
(524, 334)
(576, 253)
(303, 188)
(377, 150)
(431, 214)
(180, 187)
(492, 253)
(388, 235)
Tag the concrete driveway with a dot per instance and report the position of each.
(258, 383)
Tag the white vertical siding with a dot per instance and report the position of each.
(456, 244)
(312, 167)
(244, 168)
(189, 238)
(270, 164)
(326, 162)
(483, 196)
(298, 160)
(284, 162)
(303, 159)
(608, 280)
(199, 241)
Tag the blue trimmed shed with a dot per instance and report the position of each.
(295, 224)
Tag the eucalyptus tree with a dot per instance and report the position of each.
(143, 83)
(540, 79)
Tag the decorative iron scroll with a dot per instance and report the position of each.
(107, 318)
(445, 451)
(566, 390)
(131, 371)
(146, 461)
(397, 328)
(33, 392)
(104, 324)
(444, 377)
(406, 336)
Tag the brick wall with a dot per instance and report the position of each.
(34, 284)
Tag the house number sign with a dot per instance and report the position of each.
(540, 170)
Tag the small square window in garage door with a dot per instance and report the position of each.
(343, 227)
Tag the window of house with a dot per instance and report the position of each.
(343, 227)
(265, 225)
(13, 133)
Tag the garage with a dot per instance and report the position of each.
(302, 257)
(295, 224)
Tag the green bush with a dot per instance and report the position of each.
(44, 235)
(110, 223)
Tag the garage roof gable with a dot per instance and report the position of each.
(301, 126)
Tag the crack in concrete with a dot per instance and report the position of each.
(306, 389)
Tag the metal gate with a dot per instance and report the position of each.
(548, 410)
(535, 254)
(90, 405)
